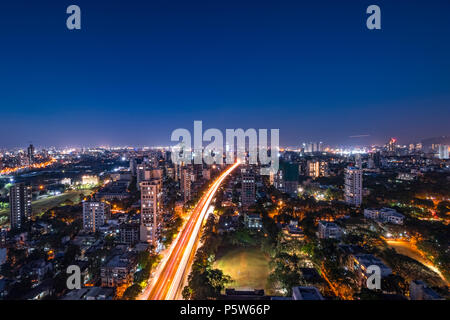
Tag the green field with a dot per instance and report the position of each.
(248, 267)
(42, 205)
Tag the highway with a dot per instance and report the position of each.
(168, 278)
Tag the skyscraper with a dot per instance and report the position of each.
(20, 205)
(151, 210)
(185, 183)
(353, 186)
(95, 215)
(390, 146)
(133, 166)
(248, 187)
(30, 154)
(442, 151)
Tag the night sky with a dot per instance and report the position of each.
(139, 69)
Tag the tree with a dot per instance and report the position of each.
(132, 292)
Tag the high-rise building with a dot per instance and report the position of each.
(185, 183)
(151, 210)
(140, 174)
(30, 154)
(358, 161)
(376, 159)
(248, 193)
(353, 186)
(95, 215)
(288, 174)
(129, 233)
(20, 205)
(390, 146)
(310, 147)
(316, 168)
(442, 151)
(133, 166)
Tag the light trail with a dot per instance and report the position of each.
(40, 165)
(169, 276)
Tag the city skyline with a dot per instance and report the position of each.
(131, 77)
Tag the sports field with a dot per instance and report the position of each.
(248, 267)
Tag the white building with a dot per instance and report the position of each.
(384, 215)
(185, 183)
(443, 151)
(353, 186)
(329, 230)
(95, 215)
(151, 210)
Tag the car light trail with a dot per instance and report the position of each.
(170, 273)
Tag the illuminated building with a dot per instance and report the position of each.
(20, 205)
(442, 151)
(30, 154)
(316, 168)
(185, 183)
(151, 210)
(92, 180)
(390, 147)
(385, 215)
(360, 263)
(329, 230)
(206, 174)
(353, 186)
(312, 147)
(248, 194)
(129, 233)
(95, 215)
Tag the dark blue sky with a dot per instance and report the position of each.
(140, 69)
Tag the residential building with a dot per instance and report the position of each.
(306, 293)
(30, 154)
(20, 205)
(95, 215)
(118, 270)
(248, 194)
(151, 210)
(384, 215)
(316, 168)
(253, 220)
(359, 263)
(129, 233)
(329, 230)
(353, 186)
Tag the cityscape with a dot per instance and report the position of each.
(140, 227)
(317, 167)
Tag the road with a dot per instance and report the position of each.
(168, 278)
(409, 249)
